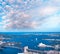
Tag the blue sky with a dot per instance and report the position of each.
(30, 15)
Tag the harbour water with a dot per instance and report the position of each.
(32, 40)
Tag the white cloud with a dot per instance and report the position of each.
(4, 17)
(47, 10)
(19, 1)
(10, 1)
(35, 14)
(52, 22)
(18, 20)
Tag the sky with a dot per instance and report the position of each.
(30, 15)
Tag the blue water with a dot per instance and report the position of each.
(28, 39)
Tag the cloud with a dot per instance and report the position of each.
(30, 14)
(48, 11)
(18, 20)
(52, 22)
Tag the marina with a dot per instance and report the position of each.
(29, 26)
(30, 43)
